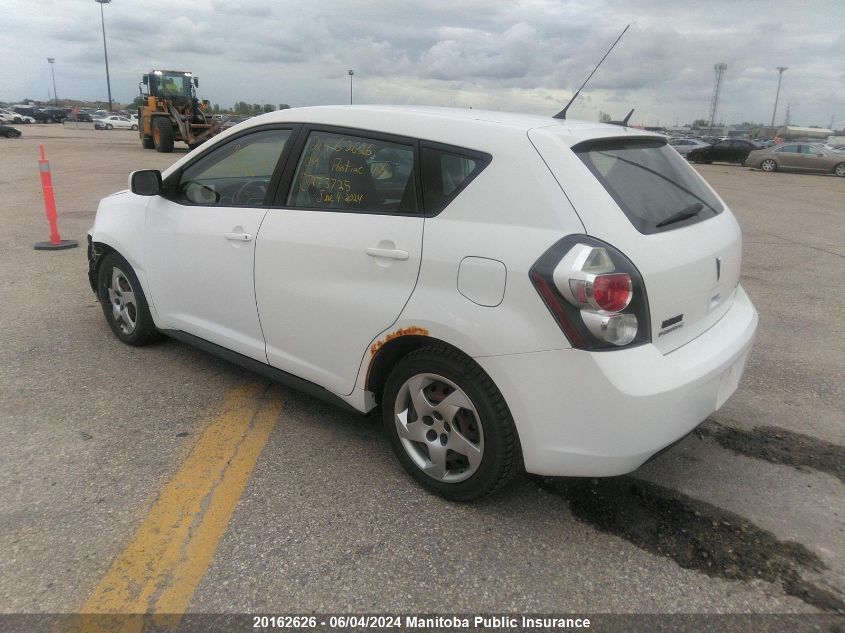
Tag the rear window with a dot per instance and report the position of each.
(650, 182)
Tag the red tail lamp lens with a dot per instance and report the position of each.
(612, 292)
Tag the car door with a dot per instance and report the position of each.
(200, 240)
(721, 151)
(338, 259)
(738, 151)
(812, 159)
(789, 156)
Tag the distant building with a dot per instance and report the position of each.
(793, 133)
(708, 131)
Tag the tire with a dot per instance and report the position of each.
(163, 135)
(839, 170)
(134, 128)
(109, 126)
(769, 165)
(123, 302)
(476, 443)
(147, 142)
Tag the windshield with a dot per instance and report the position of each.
(173, 85)
(650, 182)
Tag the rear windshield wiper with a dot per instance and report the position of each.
(684, 214)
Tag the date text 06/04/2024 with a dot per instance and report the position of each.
(418, 622)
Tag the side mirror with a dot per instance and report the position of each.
(145, 182)
(146, 80)
(197, 82)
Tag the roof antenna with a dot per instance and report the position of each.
(562, 113)
(623, 122)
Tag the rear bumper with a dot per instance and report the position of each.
(605, 413)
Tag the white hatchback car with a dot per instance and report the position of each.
(514, 291)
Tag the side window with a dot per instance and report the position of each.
(446, 172)
(789, 149)
(236, 174)
(353, 173)
(809, 149)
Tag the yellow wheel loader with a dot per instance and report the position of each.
(172, 111)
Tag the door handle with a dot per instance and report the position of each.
(238, 237)
(389, 253)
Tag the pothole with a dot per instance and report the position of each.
(779, 446)
(694, 534)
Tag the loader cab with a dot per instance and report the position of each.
(170, 84)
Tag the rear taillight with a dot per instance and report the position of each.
(594, 292)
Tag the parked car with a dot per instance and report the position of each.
(55, 115)
(35, 114)
(553, 314)
(835, 149)
(798, 157)
(8, 115)
(118, 122)
(233, 121)
(684, 145)
(8, 131)
(728, 151)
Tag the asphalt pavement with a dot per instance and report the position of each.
(93, 435)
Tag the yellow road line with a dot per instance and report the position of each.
(160, 568)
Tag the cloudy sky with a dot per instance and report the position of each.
(522, 55)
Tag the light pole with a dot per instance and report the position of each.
(777, 94)
(52, 60)
(351, 74)
(105, 50)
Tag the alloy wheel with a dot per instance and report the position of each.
(123, 302)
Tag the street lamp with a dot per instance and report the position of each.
(52, 60)
(105, 50)
(351, 73)
(777, 94)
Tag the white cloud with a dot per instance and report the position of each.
(520, 55)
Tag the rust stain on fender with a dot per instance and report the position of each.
(405, 331)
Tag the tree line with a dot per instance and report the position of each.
(240, 107)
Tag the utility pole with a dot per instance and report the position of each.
(351, 73)
(51, 61)
(780, 70)
(719, 69)
(105, 50)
